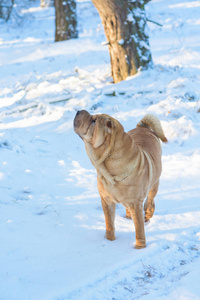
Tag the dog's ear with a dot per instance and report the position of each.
(98, 136)
(109, 125)
(102, 128)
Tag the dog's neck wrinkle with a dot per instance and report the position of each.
(99, 161)
(113, 152)
(117, 156)
(120, 152)
(95, 154)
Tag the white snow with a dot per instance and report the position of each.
(121, 42)
(51, 221)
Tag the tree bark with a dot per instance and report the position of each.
(6, 7)
(66, 20)
(125, 27)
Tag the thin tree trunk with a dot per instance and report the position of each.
(124, 23)
(6, 7)
(66, 20)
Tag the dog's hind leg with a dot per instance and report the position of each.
(109, 213)
(149, 205)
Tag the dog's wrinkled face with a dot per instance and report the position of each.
(93, 129)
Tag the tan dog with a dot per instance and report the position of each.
(128, 166)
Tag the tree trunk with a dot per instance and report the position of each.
(66, 20)
(124, 23)
(6, 7)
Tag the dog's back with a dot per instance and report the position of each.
(149, 155)
(147, 140)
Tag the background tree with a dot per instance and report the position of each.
(66, 20)
(6, 8)
(125, 26)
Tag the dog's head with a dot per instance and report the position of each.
(94, 129)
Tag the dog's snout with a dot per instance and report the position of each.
(82, 119)
(83, 113)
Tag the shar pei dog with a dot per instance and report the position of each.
(128, 166)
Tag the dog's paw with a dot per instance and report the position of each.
(146, 222)
(128, 214)
(128, 217)
(139, 246)
(110, 236)
(140, 243)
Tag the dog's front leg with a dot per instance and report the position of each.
(136, 211)
(109, 213)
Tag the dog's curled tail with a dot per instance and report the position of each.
(152, 122)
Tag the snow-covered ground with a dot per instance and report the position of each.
(51, 221)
